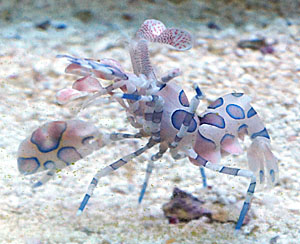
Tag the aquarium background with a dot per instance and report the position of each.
(32, 33)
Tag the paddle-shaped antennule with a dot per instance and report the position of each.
(150, 29)
(179, 39)
(155, 31)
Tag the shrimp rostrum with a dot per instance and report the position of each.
(160, 111)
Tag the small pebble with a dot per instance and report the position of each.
(6, 15)
(254, 44)
(61, 26)
(184, 207)
(274, 239)
(177, 1)
(213, 25)
(127, 17)
(84, 16)
(267, 49)
(248, 79)
(43, 25)
(239, 52)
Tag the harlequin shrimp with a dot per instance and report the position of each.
(160, 111)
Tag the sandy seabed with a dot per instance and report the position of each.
(30, 76)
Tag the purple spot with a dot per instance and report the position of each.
(177, 119)
(251, 113)
(226, 138)
(28, 166)
(68, 155)
(49, 164)
(235, 111)
(219, 102)
(263, 133)
(243, 128)
(47, 137)
(183, 99)
(237, 94)
(213, 119)
(242, 131)
(205, 143)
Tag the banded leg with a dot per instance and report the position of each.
(153, 111)
(184, 127)
(133, 121)
(149, 169)
(203, 175)
(108, 169)
(162, 149)
(121, 136)
(188, 118)
(157, 103)
(116, 136)
(45, 178)
(198, 160)
(169, 76)
(150, 166)
(153, 115)
(176, 156)
(134, 113)
(110, 137)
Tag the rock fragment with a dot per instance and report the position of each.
(183, 207)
